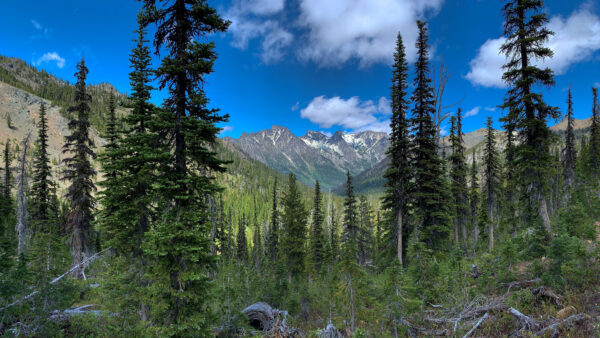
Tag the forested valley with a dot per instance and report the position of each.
(163, 228)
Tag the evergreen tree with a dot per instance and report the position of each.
(42, 176)
(398, 173)
(80, 172)
(595, 136)
(569, 153)
(7, 172)
(458, 174)
(524, 26)
(491, 179)
(333, 235)
(351, 225)
(178, 242)
(430, 191)
(317, 238)
(294, 226)
(242, 242)
(257, 248)
(474, 193)
(365, 233)
(273, 237)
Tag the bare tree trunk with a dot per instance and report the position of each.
(455, 221)
(464, 229)
(543, 209)
(22, 226)
(400, 231)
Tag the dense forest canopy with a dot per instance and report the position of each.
(166, 229)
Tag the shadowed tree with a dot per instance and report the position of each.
(569, 152)
(491, 173)
(80, 173)
(458, 175)
(526, 33)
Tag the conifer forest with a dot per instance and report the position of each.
(131, 215)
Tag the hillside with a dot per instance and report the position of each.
(19, 74)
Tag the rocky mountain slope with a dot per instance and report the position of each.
(315, 156)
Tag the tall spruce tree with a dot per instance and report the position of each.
(458, 174)
(398, 173)
(7, 171)
(273, 236)
(317, 238)
(491, 179)
(351, 225)
(80, 172)
(365, 234)
(178, 242)
(473, 193)
(42, 177)
(569, 152)
(526, 33)
(242, 241)
(430, 193)
(257, 247)
(294, 220)
(594, 144)
(333, 235)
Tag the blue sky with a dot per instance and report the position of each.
(314, 64)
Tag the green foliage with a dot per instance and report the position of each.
(294, 221)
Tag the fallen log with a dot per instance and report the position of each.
(547, 293)
(526, 323)
(563, 323)
(476, 325)
(522, 284)
(261, 315)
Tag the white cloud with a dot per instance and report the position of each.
(492, 109)
(597, 84)
(383, 106)
(576, 39)
(340, 30)
(296, 106)
(37, 25)
(50, 57)
(350, 114)
(473, 112)
(225, 129)
(329, 32)
(249, 21)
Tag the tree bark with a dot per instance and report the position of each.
(400, 231)
(22, 226)
(543, 210)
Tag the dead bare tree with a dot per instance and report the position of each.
(22, 226)
(439, 83)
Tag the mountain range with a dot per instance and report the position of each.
(315, 156)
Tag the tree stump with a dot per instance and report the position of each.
(261, 315)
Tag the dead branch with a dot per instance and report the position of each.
(574, 319)
(22, 228)
(547, 293)
(523, 284)
(476, 325)
(526, 323)
(55, 280)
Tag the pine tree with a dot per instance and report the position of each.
(365, 233)
(273, 237)
(242, 242)
(80, 172)
(430, 192)
(7, 172)
(594, 145)
(351, 225)
(333, 235)
(257, 248)
(569, 153)
(474, 193)
(526, 35)
(458, 174)
(317, 238)
(178, 242)
(42, 176)
(491, 179)
(294, 220)
(398, 174)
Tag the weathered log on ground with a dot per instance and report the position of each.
(569, 322)
(544, 292)
(522, 284)
(329, 332)
(476, 325)
(526, 323)
(261, 315)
